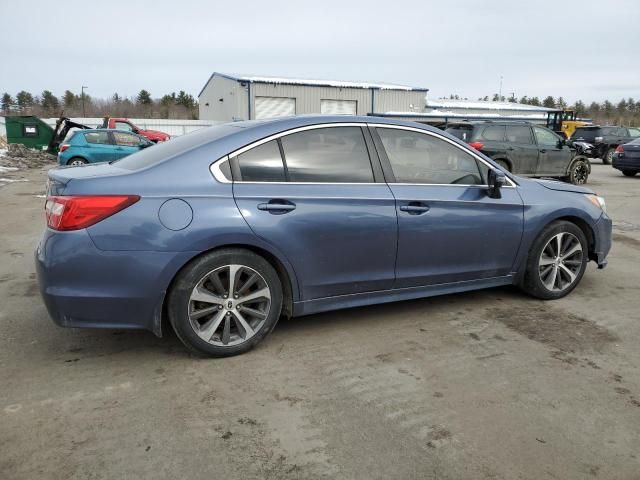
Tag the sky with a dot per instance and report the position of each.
(577, 49)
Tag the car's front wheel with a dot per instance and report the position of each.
(579, 172)
(629, 173)
(557, 261)
(225, 302)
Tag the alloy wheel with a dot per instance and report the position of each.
(77, 163)
(229, 305)
(581, 173)
(560, 262)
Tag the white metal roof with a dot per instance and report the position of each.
(485, 105)
(313, 82)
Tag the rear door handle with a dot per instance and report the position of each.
(414, 208)
(277, 207)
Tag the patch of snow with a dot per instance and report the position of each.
(3, 152)
(440, 113)
(485, 105)
(328, 83)
(40, 196)
(13, 180)
(7, 169)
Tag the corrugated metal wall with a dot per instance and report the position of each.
(399, 101)
(223, 100)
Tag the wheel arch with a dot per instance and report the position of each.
(505, 159)
(576, 159)
(77, 157)
(285, 273)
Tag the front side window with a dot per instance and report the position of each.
(262, 164)
(123, 126)
(424, 159)
(494, 133)
(519, 134)
(546, 137)
(101, 138)
(126, 139)
(333, 154)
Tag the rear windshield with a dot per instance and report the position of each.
(463, 132)
(166, 150)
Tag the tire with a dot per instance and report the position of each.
(578, 172)
(207, 322)
(504, 165)
(538, 280)
(629, 173)
(77, 161)
(607, 158)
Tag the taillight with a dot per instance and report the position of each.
(63, 147)
(74, 213)
(619, 149)
(477, 145)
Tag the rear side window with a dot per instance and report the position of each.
(419, 158)
(519, 134)
(101, 138)
(262, 164)
(493, 133)
(334, 154)
(461, 132)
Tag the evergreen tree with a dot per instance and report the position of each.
(535, 101)
(561, 103)
(7, 102)
(50, 102)
(69, 99)
(549, 102)
(25, 99)
(116, 98)
(524, 100)
(144, 98)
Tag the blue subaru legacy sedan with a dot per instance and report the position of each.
(224, 230)
(99, 145)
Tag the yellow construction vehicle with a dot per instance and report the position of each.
(564, 122)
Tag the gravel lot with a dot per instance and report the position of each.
(487, 384)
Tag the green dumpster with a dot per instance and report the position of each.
(29, 131)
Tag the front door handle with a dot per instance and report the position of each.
(277, 207)
(414, 208)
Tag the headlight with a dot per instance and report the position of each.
(598, 201)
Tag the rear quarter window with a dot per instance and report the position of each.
(463, 133)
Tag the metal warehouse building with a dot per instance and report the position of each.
(229, 98)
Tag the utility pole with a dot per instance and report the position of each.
(500, 91)
(82, 90)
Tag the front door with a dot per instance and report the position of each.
(554, 155)
(125, 144)
(449, 230)
(312, 194)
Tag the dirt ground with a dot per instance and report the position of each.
(488, 384)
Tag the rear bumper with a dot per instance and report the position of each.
(85, 287)
(626, 163)
(602, 239)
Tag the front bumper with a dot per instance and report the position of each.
(83, 286)
(603, 233)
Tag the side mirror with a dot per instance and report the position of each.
(495, 181)
(145, 145)
(561, 142)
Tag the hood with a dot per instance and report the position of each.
(563, 186)
(155, 133)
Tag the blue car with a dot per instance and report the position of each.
(99, 145)
(224, 230)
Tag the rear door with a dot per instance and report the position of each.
(125, 144)
(554, 157)
(315, 195)
(449, 230)
(99, 147)
(522, 150)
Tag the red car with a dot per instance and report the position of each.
(125, 124)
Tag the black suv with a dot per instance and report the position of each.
(605, 139)
(525, 149)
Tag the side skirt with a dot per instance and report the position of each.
(386, 296)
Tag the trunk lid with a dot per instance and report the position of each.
(59, 177)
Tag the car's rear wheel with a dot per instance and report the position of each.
(607, 158)
(557, 261)
(629, 173)
(225, 302)
(76, 161)
(504, 165)
(579, 172)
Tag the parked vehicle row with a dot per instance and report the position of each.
(525, 149)
(228, 228)
(605, 139)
